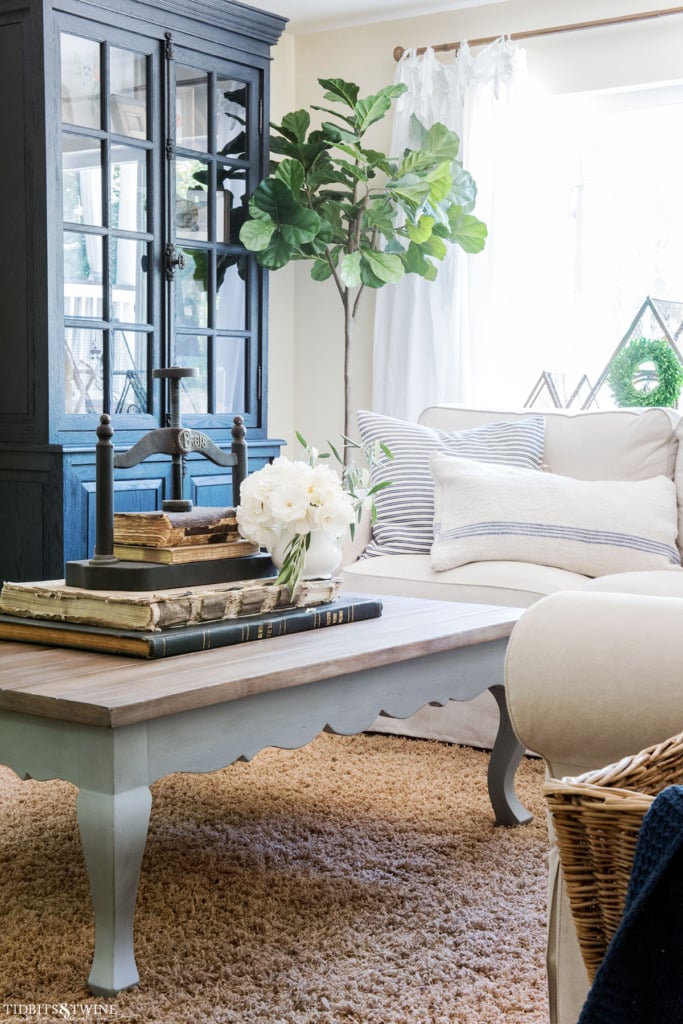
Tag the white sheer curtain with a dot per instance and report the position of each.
(425, 332)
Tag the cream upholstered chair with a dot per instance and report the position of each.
(592, 676)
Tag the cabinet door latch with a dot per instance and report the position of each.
(173, 259)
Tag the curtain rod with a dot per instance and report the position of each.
(597, 23)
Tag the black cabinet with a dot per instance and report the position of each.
(133, 132)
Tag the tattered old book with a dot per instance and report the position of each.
(155, 611)
(173, 529)
(183, 553)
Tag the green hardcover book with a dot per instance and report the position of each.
(189, 639)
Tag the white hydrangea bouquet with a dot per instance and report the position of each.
(287, 502)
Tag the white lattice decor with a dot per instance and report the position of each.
(656, 318)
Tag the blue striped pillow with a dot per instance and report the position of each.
(405, 511)
(592, 527)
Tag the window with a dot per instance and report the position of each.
(587, 222)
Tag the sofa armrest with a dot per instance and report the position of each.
(592, 677)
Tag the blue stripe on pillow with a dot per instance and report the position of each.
(554, 532)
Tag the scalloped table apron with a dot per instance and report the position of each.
(113, 725)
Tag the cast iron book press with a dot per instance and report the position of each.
(106, 572)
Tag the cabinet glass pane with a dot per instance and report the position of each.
(129, 384)
(128, 188)
(231, 285)
(193, 351)
(191, 289)
(129, 261)
(128, 81)
(230, 199)
(81, 180)
(82, 274)
(191, 108)
(191, 198)
(230, 375)
(231, 118)
(80, 81)
(83, 370)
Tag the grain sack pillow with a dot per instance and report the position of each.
(405, 511)
(593, 527)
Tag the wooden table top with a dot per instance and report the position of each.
(110, 690)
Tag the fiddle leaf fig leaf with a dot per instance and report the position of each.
(436, 142)
(442, 143)
(367, 274)
(321, 270)
(295, 125)
(292, 174)
(346, 118)
(440, 183)
(410, 193)
(306, 153)
(373, 108)
(464, 191)
(350, 269)
(355, 172)
(334, 134)
(277, 254)
(421, 231)
(321, 172)
(415, 262)
(468, 232)
(379, 215)
(275, 198)
(376, 160)
(387, 267)
(339, 90)
(434, 246)
(256, 234)
(294, 224)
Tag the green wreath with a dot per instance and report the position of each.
(626, 368)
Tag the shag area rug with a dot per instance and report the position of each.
(360, 880)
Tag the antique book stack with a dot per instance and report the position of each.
(179, 621)
(170, 538)
(175, 620)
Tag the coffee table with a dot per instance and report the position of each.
(113, 725)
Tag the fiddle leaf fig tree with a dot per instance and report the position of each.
(360, 217)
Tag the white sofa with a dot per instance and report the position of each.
(593, 676)
(594, 667)
(620, 445)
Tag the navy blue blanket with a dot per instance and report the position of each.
(640, 980)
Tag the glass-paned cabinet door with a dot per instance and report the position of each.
(214, 283)
(108, 169)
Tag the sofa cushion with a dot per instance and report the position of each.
(512, 584)
(405, 511)
(610, 444)
(590, 527)
(657, 583)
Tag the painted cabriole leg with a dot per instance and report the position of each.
(505, 757)
(113, 833)
(113, 808)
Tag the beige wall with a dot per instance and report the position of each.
(306, 325)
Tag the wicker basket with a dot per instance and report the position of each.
(597, 817)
